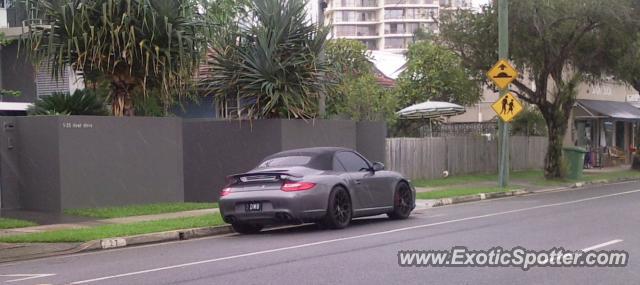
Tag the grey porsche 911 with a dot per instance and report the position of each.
(322, 185)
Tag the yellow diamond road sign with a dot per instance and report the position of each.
(507, 107)
(502, 74)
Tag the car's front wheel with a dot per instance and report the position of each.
(339, 211)
(246, 228)
(402, 202)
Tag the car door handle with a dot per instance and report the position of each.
(357, 181)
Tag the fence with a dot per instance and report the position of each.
(51, 163)
(425, 158)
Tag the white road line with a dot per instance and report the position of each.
(24, 277)
(350, 238)
(602, 245)
(226, 235)
(559, 257)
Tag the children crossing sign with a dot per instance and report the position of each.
(502, 74)
(507, 107)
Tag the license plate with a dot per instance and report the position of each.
(253, 207)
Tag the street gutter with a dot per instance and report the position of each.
(21, 252)
(185, 234)
(518, 192)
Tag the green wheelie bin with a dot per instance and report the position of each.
(574, 156)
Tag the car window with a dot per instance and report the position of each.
(337, 166)
(285, 161)
(352, 162)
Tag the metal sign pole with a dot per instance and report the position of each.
(503, 53)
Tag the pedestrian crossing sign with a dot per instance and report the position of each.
(507, 107)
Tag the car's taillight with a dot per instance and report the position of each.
(291, 186)
(225, 191)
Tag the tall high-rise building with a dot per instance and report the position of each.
(381, 24)
(387, 25)
(456, 4)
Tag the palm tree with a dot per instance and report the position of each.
(134, 44)
(269, 66)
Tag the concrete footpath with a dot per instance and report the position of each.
(16, 252)
(93, 223)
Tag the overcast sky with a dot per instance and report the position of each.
(477, 3)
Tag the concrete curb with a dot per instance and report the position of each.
(119, 242)
(601, 181)
(477, 197)
(160, 237)
(522, 192)
(165, 236)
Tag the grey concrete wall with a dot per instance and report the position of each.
(214, 149)
(39, 162)
(107, 161)
(318, 133)
(371, 139)
(9, 168)
(84, 161)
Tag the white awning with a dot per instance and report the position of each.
(14, 106)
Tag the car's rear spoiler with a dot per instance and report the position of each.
(267, 176)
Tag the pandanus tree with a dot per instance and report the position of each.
(134, 44)
(557, 45)
(269, 65)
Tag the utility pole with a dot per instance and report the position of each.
(322, 99)
(503, 53)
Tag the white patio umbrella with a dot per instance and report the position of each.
(431, 110)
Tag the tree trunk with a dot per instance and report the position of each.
(557, 120)
(122, 101)
(553, 158)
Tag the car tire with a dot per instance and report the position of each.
(339, 209)
(403, 202)
(246, 228)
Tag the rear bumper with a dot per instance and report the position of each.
(278, 207)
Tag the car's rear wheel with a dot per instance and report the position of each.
(339, 211)
(246, 228)
(402, 202)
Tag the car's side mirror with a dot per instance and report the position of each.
(377, 166)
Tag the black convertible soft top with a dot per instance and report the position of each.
(321, 157)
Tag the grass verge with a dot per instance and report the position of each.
(6, 223)
(455, 192)
(117, 230)
(474, 178)
(626, 174)
(532, 177)
(138, 210)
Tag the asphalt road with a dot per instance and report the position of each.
(366, 252)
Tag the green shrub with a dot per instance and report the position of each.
(82, 102)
